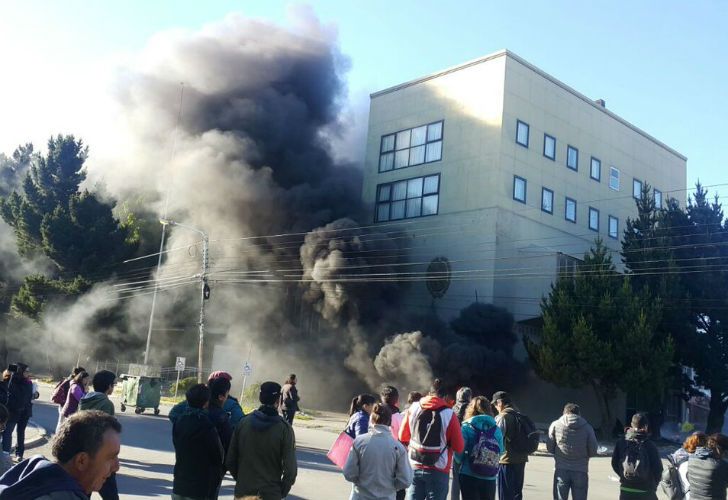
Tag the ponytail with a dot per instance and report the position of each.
(381, 415)
(354, 406)
(359, 401)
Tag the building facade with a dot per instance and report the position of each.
(501, 177)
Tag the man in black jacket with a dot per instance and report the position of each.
(199, 456)
(637, 462)
(20, 406)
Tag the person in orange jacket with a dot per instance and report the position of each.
(431, 431)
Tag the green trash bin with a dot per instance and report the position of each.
(141, 393)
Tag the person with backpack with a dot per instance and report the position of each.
(674, 481)
(377, 463)
(462, 400)
(520, 439)
(20, 407)
(431, 432)
(76, 392)
(572, 442)
(478, 463)
(359, 411)
(231, 406)
(708, 470)
(60, 392)
(637, 462)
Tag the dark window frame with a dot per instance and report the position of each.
(592, 209)
(575, 168)
(591, 162)
(609, 227)
(635, 180)
(392, 183)
(525, 189)
(619, 179)
(409, 148)
(654, 197)
(547, 190)
(528, 133)
(566, 209)
(545, 136)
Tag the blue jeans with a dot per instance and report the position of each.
(428, 485)
(570, 480)
(510, 481)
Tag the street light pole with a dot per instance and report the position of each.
(203, 290)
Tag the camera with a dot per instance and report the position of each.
(13, 368)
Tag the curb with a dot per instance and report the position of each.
(41, 434)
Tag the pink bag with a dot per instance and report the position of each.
(339, 451)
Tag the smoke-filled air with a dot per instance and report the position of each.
(237, 130)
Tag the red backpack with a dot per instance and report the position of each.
(60, 393)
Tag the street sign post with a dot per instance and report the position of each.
(179, 365)
(247, 372)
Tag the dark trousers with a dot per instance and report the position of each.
(109, 491)
(472, 488)
(19, 422)
(288, 415)
(401, 494)
(510, 481)
(566, 481)
(628, 495)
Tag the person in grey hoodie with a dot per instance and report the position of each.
(572, 442)
(98, 399)
(708, 470)
(377, 464)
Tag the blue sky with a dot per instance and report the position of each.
(662, 65)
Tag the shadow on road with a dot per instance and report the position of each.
(311, 458)
(144, 486)
(147, 467)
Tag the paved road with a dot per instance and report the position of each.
(147, 458)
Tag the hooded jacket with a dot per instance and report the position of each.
(262, 455)
(707, 475)
(39, 479)
(470, 430)
(377, 465)
(97, 401)
(199, 457)
(508, 423)
(631, 438)
(572, 442)
(451, 439)
(231, 407)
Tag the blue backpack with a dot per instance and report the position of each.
(485, 454)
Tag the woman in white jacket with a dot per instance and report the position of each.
(377, 463)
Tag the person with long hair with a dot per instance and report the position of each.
(377, 463)
(359, 411)
(60, 392)
(708, 469)
(76, 392)
(483, 447)
(20, 407)
(681, 457)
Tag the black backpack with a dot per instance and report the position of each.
(636, 463)
(426, 445)
(527, 437)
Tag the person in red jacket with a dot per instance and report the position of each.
(431, 431)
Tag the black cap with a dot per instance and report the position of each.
(501, 396)
(269, 393)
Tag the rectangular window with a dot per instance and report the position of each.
(614, 178)
(547, 200)
(567, 265)
(593, 219)
(519, 189)
(549, 147)
(572, 157)
(522, 130)
(411, 147)
(570, 210)
(407, 199)
(636, 189)
(613, 227)
(595, 170)
(658, 199)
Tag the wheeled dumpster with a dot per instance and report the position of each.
(140, 392)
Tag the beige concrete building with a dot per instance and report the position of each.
(504, 176)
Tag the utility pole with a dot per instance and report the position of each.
(204, 295)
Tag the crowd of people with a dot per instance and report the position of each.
(465, 447)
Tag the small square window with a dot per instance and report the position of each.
(549, 147)
(658, 199)
(547, 200)
(522, 130)
(432, 184)
(387, 143)
(572, 158)
(613, 227)
(614, 178)
(382, 212)
(593, 219)
(519, 189)
(384, 193)
(403, 139)
(401, 158)
(636, 189)
(429, 204)
(434, 132)
(434, 152)
(595, 170)
(386, 162)
(419, 136)
(570, 210)
(414, 187)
